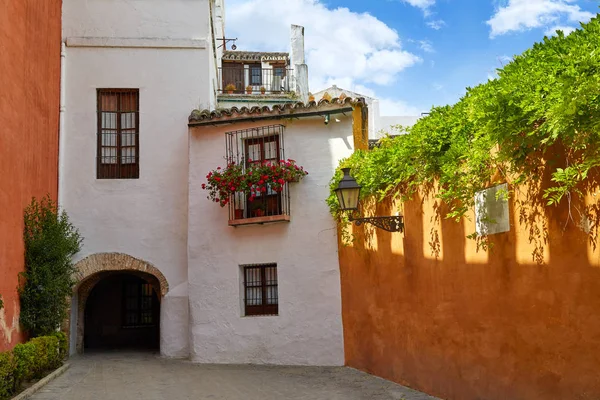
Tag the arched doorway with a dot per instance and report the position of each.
(122, 312)
(124, 295)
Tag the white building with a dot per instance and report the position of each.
(378, 125)
(161, 265)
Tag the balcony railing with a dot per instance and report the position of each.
(254, 80)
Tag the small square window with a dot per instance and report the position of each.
(260, 290)
(491, 210)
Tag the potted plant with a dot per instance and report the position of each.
(239, 213)
(257, 178)
(263, 90)
(230, 88)
(259, 212)
(249, 89)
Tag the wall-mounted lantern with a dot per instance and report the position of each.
(348, 194)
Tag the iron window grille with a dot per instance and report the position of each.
(261, 290)
(256, 146)
(138, 307)
(118, 134)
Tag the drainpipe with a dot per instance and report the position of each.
(61, 119)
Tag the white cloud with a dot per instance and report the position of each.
(426, 46)
(521, 15)
(342, 47)
(424, 4)
(567, 30)
(396, 107)
(436, 24)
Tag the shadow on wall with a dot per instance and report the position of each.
(427, 310)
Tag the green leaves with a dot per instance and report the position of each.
(50, 243)
(547, 98)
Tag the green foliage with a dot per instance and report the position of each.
(545, 101)
(48, 280)
(24, 357)
(63, 345)
(7, 380)
(30, 360)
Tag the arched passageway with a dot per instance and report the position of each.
(122, 312)
(119, 296)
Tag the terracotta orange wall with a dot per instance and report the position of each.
(427, 310)
(30, 37)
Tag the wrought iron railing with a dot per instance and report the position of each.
(254, 146)
(254, 80)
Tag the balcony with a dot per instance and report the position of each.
(254, 80)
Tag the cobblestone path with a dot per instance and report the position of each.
(144, 376)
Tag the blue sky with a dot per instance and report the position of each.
(411, 54)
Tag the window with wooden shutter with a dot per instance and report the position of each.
(118, 134)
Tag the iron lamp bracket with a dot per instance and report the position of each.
(390, 224)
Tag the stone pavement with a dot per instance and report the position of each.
(145, 376)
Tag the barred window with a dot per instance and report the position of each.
(252, 147)
(118, 134)
(260, 290)
(138, 307)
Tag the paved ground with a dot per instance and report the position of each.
(139, 376)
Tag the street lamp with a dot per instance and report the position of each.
(348, 194)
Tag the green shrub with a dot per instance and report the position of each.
(50, 243)
(24, 361)
(30, 360)
(47, 354)
(7, 369)
(63, 345)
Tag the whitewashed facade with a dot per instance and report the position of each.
(164, 48)
(167, 51)
(308, 327)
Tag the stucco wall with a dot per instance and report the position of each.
(29, 105)
(146, 217)
(308, 328)
(425, 309)
(174, 19)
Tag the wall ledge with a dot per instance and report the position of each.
(259, 220)
(154, 43)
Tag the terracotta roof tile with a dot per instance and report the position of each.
(200, 117)
(254, 56)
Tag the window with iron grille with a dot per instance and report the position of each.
(118, 134)
(138, 307)
(263, 145)
(260, 290)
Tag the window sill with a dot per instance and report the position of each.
(259, 220)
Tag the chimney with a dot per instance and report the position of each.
(298, 63)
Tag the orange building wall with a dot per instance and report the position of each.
(30, 37)
(427, 310)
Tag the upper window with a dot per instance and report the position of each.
(255, 75)
(118, 134)
(260, 290)
(251, 147)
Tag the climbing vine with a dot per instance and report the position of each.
(539, 118)
(50, 243)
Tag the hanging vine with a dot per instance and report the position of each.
(540, 118)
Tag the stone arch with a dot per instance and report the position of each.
(96, 267)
